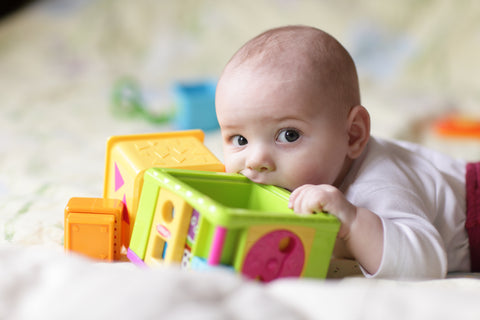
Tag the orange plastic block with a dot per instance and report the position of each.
(457, 126)
(128, 156)
(93, 227)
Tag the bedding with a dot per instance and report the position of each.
(40, 283)
(59, 62)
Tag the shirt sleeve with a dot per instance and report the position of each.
(412, 247)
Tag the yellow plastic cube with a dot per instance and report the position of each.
(128, 156)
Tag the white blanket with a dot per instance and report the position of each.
(40, 283)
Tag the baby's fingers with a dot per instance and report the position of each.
(296, 194)
(303, 200)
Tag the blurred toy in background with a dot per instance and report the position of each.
(455, 133)
(189, 105)
(128, 100)
(458, 126)
(195, 103)
(167, 200)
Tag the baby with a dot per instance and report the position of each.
(289, 108)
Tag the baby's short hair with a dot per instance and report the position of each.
(312, 51)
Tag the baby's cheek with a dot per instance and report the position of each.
(306, 175)
(228, 167)
(294, 179)
(232, 165)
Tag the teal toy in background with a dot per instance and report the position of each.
(195, 102)
(192, 105)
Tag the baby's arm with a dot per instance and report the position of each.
(360, 229)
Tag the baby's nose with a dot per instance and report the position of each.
(262, 168)
(260, 161)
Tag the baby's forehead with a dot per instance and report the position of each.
(290, 56)
(305, 55)
(275, 72)
(288, 49)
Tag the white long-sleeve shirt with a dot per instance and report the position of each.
(419, 194)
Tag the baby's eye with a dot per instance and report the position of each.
(288, 135)
(239, 141)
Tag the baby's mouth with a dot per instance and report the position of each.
(262, 178)
(256, 177)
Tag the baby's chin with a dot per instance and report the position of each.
(268, 182)
(288, 188)
(281, 186)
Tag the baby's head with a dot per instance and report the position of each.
(288, 105)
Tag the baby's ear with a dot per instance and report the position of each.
(358, 130)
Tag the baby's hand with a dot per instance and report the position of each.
(315, 198)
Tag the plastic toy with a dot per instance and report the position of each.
(457, 126)
(128, 101)
(93, 227)
(167, 200)
(200, 219)
(127, 158)
(195, 104)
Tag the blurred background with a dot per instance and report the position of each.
(74, 72)
(416, 59)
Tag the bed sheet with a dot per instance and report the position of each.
(38, 283)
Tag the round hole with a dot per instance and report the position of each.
(286, 244)
(168, 211)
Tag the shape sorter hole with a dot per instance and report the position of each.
(276, 254)
(159, 248)
(168, 211)
(286, 244)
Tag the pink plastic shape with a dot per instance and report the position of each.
(119, 182)
(277, 254)
(217, 246)
(132, 256)
(163, 231)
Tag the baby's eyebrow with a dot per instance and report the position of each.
(232, 126)
(288, 118)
